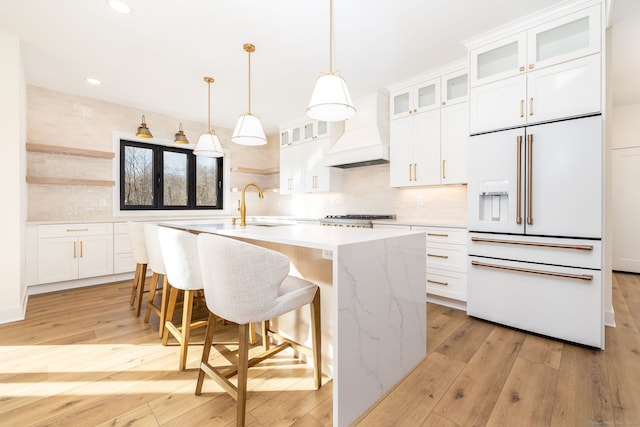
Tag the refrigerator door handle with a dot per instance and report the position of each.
(519, 182)
(540, 244)
(529, 179)
(585, 277)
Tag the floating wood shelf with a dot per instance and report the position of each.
(256, 171)
(44, 148)
(70, 181)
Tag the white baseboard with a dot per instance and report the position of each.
(80, 283)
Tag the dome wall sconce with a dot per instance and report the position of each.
(180, 137)
(143, 130)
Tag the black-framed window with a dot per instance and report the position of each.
(158, 177)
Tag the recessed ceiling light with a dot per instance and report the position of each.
(119, 6)
(93, 81)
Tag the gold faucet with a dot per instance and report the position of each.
(243, 204)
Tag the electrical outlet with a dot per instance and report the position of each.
(327, 254)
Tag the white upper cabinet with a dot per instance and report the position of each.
(314, 129)
(454, 87)
(498, 60)
(415, 98)
(548, 68)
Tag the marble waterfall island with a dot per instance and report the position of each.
(372, 284)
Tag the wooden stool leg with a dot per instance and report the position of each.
(169, 313)
(265, 335)
(187, 311)
(317, 339)
(206, 351)
(152, 295)
(164, 304)
(142, 276)
(135, 284)
(243, 365)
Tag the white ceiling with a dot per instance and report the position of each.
(156, 57)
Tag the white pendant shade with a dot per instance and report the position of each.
(330, 100)
(208, 146)
(249, 131)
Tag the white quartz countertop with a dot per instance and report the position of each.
(305, 235)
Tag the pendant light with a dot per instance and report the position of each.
(180, 137)
(248, 130)
(330, 100)
(208, 145)
(143, 130)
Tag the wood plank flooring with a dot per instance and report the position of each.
(81, 358)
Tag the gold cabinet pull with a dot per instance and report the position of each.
(522, 108)
(415, 171)
(290, 184)
(529, 178)
(410, 174)
(586, 277)
(443, 165)
(74, 250)
(519, 181)
(539, 244)
(437, 282)
(438, 234)
(71, 230)
(531, 106)
(438, 256)
(80, 248)
(531, 66)
(521, 68)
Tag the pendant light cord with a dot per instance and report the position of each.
(330, 36)
(249, 52)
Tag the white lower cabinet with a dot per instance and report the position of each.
(74, 251)
(122, 256)
(446, 262)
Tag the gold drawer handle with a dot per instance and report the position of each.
(437, 235)
(540, 244)
(585, 277)
(438, 256)
(438, 282)
(69, 230)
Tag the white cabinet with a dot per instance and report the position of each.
(291, 169)
(548, 71)
(303, 145)
(428, 141)
(415, 149)
(317, 177)
(446, 262)
(122, 256)
(74, 251)
(626, 209)
(415, 98)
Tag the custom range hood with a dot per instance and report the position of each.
(366, 136)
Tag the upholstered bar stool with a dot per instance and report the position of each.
(156, 263)
(180, 253)
(141, 258)
(244, 283)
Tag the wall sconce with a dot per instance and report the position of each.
(143, 130)
(180, 137)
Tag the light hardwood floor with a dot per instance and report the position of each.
(81, 358)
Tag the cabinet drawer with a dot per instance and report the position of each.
(121, 243)
(65, 230)
(447, 257)
(444, 234)
(123, 263)
(447, 284)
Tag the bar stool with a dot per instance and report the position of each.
(141, 258)
(180, 253)
(244, 283)
(156, 262)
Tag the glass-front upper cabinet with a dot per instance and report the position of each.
(563, 39)
(285, 137)
(454, 87)
(314, 129)
(416, 98)
(494, 61)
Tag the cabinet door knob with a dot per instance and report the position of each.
(521, 69)
(531, 66)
